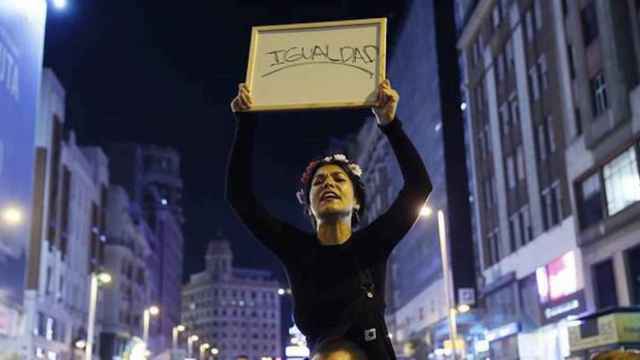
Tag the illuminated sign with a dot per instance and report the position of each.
(555, 310)
(503, 331)
(557, 279)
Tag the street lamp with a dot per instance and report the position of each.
(203, 349)
(190, 340)
(426, 211)
(148, 312)
(214, 351)
(60, 4)
(97, 279)
(12, 216)
(176, 330)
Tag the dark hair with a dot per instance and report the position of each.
(347, 166)
(333, 345)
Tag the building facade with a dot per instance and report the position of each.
(151, 176)
(419, 68)
(126, 253)
(235, 310)
(67, 232)
(550, 110)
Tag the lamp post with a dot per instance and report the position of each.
(176, 331)
(446, 274)
(97, 279)
(190, 341)
(203, 350)
(148, 312)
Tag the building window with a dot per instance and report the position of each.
(542, 71)
(537, 8)
(551, 138)
(590, 204)
(529, 25)
(520, 163)
(504, 119)
(589, 23)
(578, 120)
(515, 231)
(513, 104)
(526, 232)
(494, 247)
(621, 181)
(497, 15)
(534, 88)
(509, 53)
(542, 142)
(604, 281)
(634, 274)
(511, 173)
(599, 100)
(572, 65)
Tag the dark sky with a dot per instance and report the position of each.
(163, 72)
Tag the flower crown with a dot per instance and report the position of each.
(353, 168)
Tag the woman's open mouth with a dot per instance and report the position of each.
(329, 195)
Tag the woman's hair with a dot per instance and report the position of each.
(350, 168)
(330, 346)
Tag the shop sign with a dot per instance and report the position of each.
(503, 331)
(572, 304)
(613, 328)
(466, 296)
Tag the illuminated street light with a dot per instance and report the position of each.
(463, 308)
(176, 331)
(12, 216)
(281, 291)
(150, 311)
(426, 211)
(214, 351)
(97, 279)
(60, 4)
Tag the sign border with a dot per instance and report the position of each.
(382, 62)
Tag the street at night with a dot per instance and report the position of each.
(320, 180)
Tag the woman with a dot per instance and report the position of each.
(337, 276)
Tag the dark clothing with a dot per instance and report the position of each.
(330, 283)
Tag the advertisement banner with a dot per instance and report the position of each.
(22, 25)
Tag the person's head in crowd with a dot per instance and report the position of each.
(338, 349)
(617, 355)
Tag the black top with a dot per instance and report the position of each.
(326, 281)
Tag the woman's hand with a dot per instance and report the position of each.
(386, 103)
(243, 101)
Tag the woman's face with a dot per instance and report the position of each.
(331, 195)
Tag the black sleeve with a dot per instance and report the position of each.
(280, 237)
(388, 229)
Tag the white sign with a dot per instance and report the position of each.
(333, 64)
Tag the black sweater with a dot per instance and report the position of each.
(326, 280)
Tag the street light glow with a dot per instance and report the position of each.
(12, 216)
(104, 278)
(154, 310)
(194, 338)
(281, 291)
(181, 328)
(60, 4)
(426, 211)
(463, 308)
(214, 351)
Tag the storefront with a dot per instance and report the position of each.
(616, 328)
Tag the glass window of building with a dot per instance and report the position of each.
(634, 274)
(599, 99)
(590, 204)
(589, 23)
(621, 180)
(605, 284)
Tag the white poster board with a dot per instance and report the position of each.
(336, 64)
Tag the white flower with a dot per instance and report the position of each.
(300, 196)
(355, 169)
(340, 157)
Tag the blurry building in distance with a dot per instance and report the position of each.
(235, 310)
(67, 232)
(151, 176)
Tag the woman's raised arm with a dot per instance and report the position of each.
(272, 232)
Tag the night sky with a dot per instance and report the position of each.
(163, 72)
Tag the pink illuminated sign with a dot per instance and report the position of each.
(558, 278)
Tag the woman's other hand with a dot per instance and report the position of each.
(243, 101)
(386, 103)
